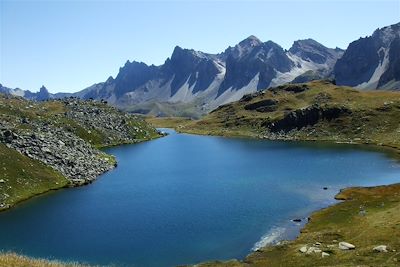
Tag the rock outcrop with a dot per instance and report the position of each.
(64, 134)
(76, 159)
(307, 117)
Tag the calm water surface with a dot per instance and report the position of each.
(186, 198)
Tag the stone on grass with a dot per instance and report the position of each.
(381, 248)
(346, 246)
(324, 254)
(303, 249)
(313, 250)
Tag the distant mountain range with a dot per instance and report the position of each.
(191, 83)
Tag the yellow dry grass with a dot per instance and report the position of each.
(10, 259)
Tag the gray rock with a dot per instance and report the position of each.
(380, 248)
(303, 249)
(324, 254)
(313, 250)
(346, 246)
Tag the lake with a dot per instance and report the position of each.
(185, 199)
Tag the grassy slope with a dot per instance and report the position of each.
(374, 119)
(53, 112)
(191, 110)
(168, 122)
(23, 177)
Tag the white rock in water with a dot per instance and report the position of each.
(303, 249)
(346, 246)
(324, 254)
(381, 248)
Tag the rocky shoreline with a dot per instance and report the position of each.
(65, 135)
(73, 157)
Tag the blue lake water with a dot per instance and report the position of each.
(185, 199)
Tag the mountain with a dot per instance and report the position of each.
(372, 62)
(191, 83)
(43, 93)
(10, 91)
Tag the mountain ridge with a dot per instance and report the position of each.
(192, 83)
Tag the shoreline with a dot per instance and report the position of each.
(343, 196)
(71, 184)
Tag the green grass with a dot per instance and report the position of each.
(168, 122)
(22, 177)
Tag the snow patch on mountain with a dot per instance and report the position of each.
(300, 67)
(231, 94)
(380, 69)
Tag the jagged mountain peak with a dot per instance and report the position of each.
(303, 43)
(313, 51)
(250, 41)
(244, 47)
(373, 61)
(387, 34)
(128, 66)
(43, 89)
(180, 52)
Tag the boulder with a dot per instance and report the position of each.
(346, 246)
(380, 248)
(324, 254)
(303, 249)
(313, 250)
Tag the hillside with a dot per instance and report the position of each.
(317, 110)
(52, 144)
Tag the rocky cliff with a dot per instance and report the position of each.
(372, 62)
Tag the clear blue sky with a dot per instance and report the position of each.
(69, 45)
